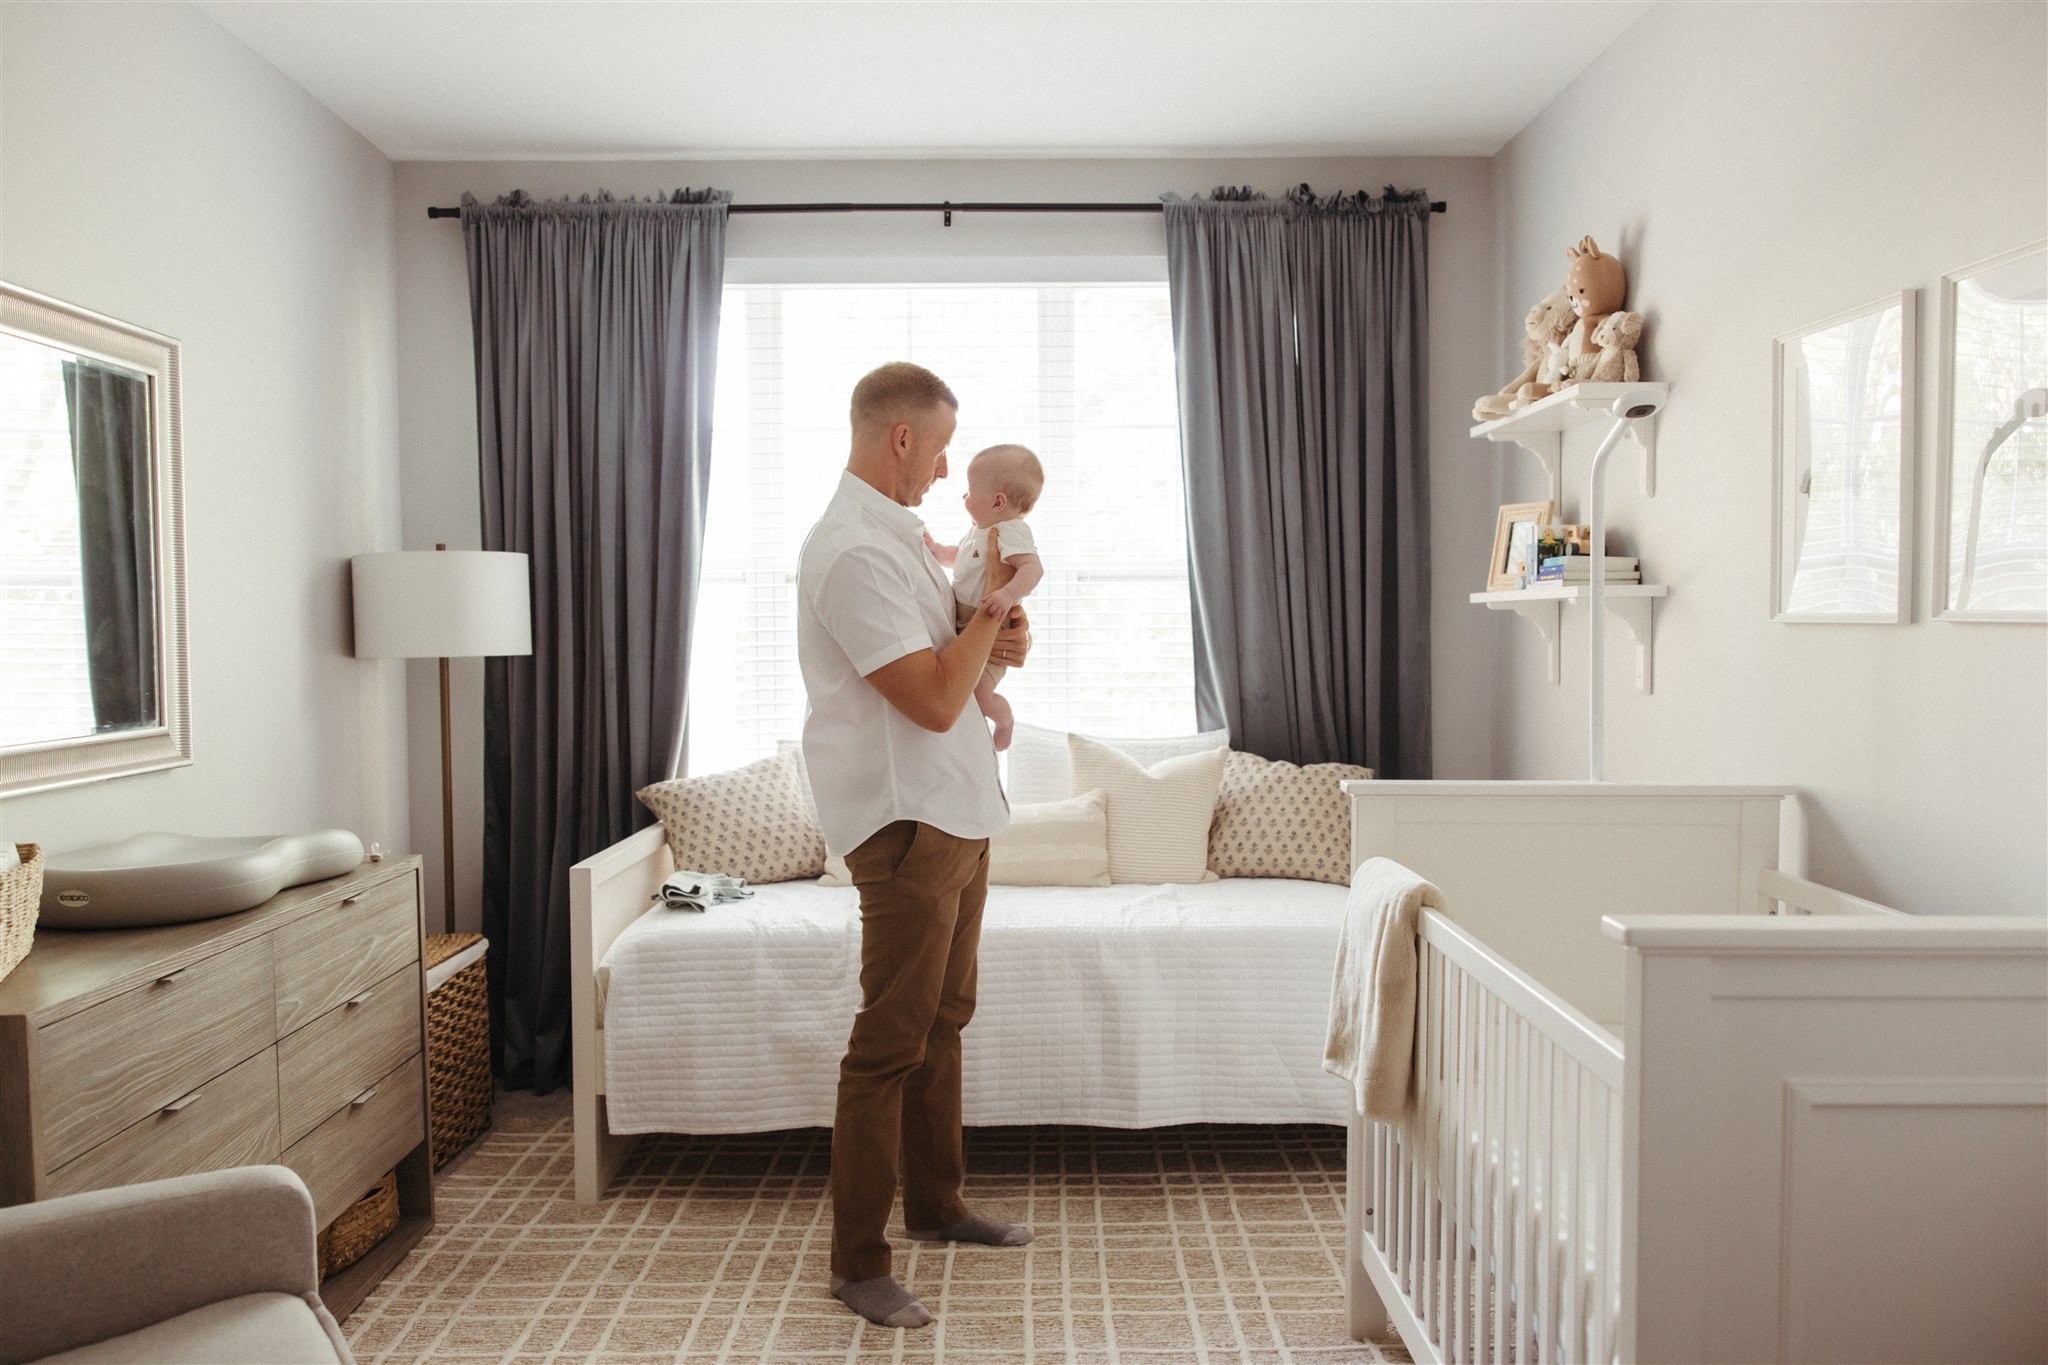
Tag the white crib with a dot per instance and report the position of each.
(1674, 1105)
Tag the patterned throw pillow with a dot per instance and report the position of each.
(753, 822)
(1275, 819)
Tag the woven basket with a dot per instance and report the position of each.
(21, 896)
(458, 1050)
(361, 1226)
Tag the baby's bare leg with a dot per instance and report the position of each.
(997, 709)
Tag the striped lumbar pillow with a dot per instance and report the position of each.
(1050, 843)
(1056, 843)
(1158, 816)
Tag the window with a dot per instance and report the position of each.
(1083, 374)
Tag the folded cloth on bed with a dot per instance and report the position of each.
(700, 890)
(1372, 998)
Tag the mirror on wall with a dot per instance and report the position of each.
(1843, 403)
(1992, 534)
(92, 602)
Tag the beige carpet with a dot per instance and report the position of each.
(1191, 1244)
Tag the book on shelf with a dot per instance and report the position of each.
(1579, 569)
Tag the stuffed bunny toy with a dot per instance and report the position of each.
(1546, 327)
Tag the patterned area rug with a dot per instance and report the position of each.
(1206, 1244)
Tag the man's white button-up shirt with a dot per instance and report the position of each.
(868, 593)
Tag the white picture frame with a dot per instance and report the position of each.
(1842, 433)
(1984, 425)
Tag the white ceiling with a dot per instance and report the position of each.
(431, 80)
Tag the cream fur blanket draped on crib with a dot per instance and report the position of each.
(1371, 1041)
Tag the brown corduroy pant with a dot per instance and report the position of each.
(921, 893)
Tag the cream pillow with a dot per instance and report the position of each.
(753, 822)
(1275, 819)
(1055, 843)
(1036, 768)
(1158, 816)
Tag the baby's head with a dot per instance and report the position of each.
(1003, 483)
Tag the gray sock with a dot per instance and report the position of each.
(882, 1301)
(977, 1228)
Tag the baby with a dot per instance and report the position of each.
(1003, 483)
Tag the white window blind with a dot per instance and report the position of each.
(1083, 374)
(45, 687)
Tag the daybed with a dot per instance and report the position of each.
(1122, 1005)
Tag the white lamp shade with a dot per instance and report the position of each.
(441, 604)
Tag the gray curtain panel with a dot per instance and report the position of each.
(596, 331)
(110, 458)
(1301, 330)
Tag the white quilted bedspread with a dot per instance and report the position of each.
(1123, 1006)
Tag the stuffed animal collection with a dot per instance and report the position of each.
(1547, 325)
(1577, 335)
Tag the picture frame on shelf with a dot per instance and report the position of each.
(1515, 528)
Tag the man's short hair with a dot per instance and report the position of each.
(1017, 472)
(897, 392)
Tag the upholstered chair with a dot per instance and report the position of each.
(217, 1267)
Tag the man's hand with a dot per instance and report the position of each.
(1013, 641)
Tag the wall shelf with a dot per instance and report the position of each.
(1540, 429)
(1634, 603)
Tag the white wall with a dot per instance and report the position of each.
(437, 388)
(154, 169)
(1757, 168)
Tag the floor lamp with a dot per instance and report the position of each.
(442, 604)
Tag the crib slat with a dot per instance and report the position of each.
(1611, 1262)
(1405, 1231)
(1546, 1214)
(1468, 1175)
(1525, 1313)
(1446, 1151)
(1425, 1155)
(1460, 1298)
(1574, 1274)
(1600, 1346)
(1485, 1343)
(1425, 1166)
(1500, 1169)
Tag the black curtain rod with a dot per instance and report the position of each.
(948, 209)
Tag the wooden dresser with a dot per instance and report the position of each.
(291, 1033)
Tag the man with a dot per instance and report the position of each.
(904, 774)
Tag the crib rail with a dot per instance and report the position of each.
(1495, 1207)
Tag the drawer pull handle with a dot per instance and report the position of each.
(351, 900)
(364, 1098)
(358, 999)
(168, 977)
(175, 1105)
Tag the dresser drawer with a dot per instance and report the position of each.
(345, 1155)
(326, 958)
(346, 1051)
(229, 1121)
(124, 1059)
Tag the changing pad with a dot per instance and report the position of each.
(171, 878)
